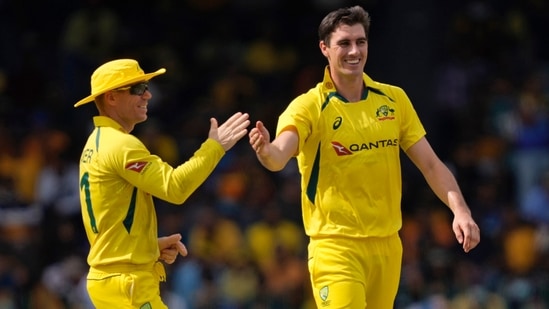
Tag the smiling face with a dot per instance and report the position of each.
(126, 108)
(346, 51)
(133, 108)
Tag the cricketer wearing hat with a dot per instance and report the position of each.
(119, 178)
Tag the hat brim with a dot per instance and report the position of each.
(144, 77)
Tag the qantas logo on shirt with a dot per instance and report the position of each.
(340, 149)
(344, 151)
(136, 166)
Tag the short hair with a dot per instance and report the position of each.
(347, 16)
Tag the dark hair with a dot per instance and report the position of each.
(347, 16)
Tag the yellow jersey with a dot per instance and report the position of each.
(349, 157)
(118, 179)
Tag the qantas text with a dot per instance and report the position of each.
(373, 145)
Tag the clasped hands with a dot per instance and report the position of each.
(170, 247)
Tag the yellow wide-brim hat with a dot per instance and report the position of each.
(115, 74)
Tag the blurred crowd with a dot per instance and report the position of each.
(477, 72)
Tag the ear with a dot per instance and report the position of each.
(110, 97)
(323, 48)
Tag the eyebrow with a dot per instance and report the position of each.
(349, 40)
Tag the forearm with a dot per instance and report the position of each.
(187, 177)
(272, 158)
(199, 167)
(444, 185)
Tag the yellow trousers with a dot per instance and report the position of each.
(126, 286)
(355, 273)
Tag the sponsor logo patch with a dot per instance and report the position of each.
(136, 166)
(340, 149)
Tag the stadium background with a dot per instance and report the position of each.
(477, 72)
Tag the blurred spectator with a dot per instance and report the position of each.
(277, 247)
(260, 193)
(534, 205)
(6, 102)
(288, 198)
(230, 192)
(273, 238)
(501, 102)
(57, 196)
(20, 265)
(152, 134)
(8, 288)
(238, 283)
(62, 281)
(530, 135)
(193, 283)
(90, 36)
(519, 248)
(286, 280)
(27, 166)
(8, 195)
(464, 164)
(477, 297)
(215, 239)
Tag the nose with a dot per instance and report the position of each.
(354, 48)
(147, 94)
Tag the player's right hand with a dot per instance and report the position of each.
(259, 137)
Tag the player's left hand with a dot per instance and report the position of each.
(466, 230)
(170, 247)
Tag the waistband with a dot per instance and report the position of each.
(351, 238)
(104, 271)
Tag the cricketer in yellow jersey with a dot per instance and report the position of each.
(347, 133)
(119, 178)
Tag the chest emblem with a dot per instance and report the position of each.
(384, 112)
